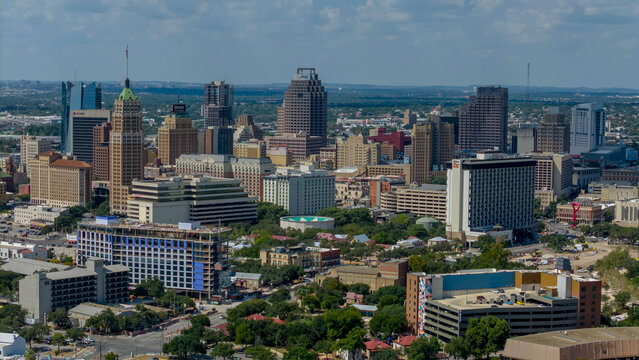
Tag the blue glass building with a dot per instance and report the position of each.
(77, 97)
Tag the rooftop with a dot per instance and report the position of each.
(71, 164)
(28, 266)
(156, 227)
(357, 269)
(469, 301)
(307, 218)
(560, 339)
(247, 276)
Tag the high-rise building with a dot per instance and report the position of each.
(30, 147)
(126, 146)
(58, 180)
(251, 172)
(200, 198)
(303, 191)
(432, 146)
(304, 107)
(526, 139)
(587, 130)
(218, 140)
(483, 122)
(187, 257)
(356, 151)
(489, 192)
(300, 146)
(80, 135)
(553, 133)
(77, 97)
(410, 118)
(246, 130)
(101, 156)
(218, 104)
(553, 176)
(177, 136)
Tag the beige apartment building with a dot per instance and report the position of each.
(176, 136)
(30, 147)
(126, 148)
(553, 134)
(253, 149)
(356, 151)
(432, 145)
(424, 200)
(60, 181)
(553, 176)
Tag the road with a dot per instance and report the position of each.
(149, 343)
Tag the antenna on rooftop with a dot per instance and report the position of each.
(528, 92)
(126, 52)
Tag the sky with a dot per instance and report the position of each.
(590, 43)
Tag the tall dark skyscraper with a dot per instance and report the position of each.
(76, 97)
(483, 122)
(218, 104)
(304, 108)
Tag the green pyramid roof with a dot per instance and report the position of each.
(127, 93)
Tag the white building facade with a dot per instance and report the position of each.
(24, 215)
(303, 191)
(587, 129)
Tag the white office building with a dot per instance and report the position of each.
(303, 191)
(587, 129)
(489, 194)
(24, 215)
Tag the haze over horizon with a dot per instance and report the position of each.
(382, 42)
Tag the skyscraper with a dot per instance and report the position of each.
(101, 138)
(76, 97)
(30, 148)
(432, 146)
(80, 134)
(483, 122)
(304, 107)
(218, 104)
(219, 140)
(177, 136)
(587, 130)
(553, 133)
(126, 146)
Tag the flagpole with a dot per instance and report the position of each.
(127, 60)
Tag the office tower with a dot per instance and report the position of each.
(553, 133)
(218, 104)
(126, 146)
(489, 193)
(356, 151)
(300, 146)
(432, 146)
(58, 180)
(30, 147)
(450, 118)
(177, 136)
(254, 149)
(303, 191)
(77, 97)
(246, 130)
(218, 140)
(526, 139)
(553, 176)
(101, 156)
(200, 198)
(483, 122)
(304, 107)
(410, 118)
(587, 130)
(187, 257)
(80, 134)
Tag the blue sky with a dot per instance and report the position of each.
(590, 43)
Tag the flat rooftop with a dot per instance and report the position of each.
(469, 301)
(560, 339)
(156, 227)
(28, 266)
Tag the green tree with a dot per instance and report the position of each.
(340, 321)
(621, 299)
(153, 287)
(104, 322)
(200, 320)
(110, 356)
(486, 335)
(311, 303)
(11, 318)
(58, 339)
(299, 353)
(279, 295)
(386, 354)
(484, 241)
(397, 291)
(359, 288)
(353, 341)
(30, 355)
(458, 347)
(59, 317)
(423, 349)
(223, 350)
(74, 334)
(260, 353)
(388, 321)
(102, 209)
(184, 345)
(244, 334)
(268, 211)
(35, 333)
(323, 346)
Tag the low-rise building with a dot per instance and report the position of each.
(596, 344)
(302, 223)
(628, 174)
(43, 292)
(613, 191)
(308, 258)
(587, 214)
(530, 301)
(12, 345)
(582, 176)
(80, 313)
(627, 212)
(424, 200)
(24, 215)
(11, 250)
(249, 281)
(389, 273)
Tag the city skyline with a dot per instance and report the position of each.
(400, 42)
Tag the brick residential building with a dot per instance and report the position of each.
(60, 181)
